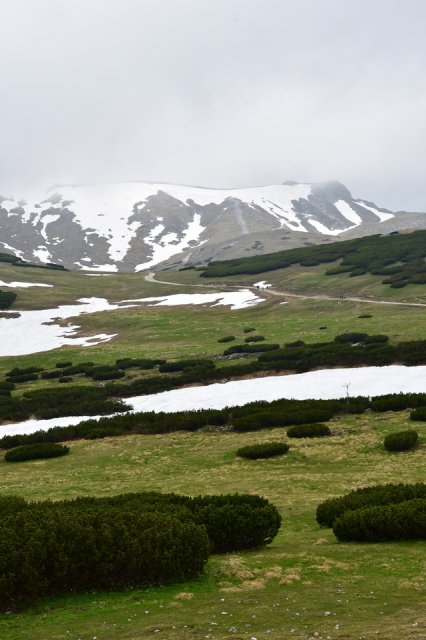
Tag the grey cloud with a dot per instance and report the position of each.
(216, 93)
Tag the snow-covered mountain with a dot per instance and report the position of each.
(135, 226)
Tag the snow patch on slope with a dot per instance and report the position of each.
(24, 285)
(235, 299)
(382, 215)
(326, 384)
(169, 244)
(323, 229)
(347, 211)
(47, 219)
(16, 252)
(36, 331)
(112, 268)
(43, 254)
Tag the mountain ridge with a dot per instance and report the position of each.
(134, 226)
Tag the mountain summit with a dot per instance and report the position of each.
(133, 226)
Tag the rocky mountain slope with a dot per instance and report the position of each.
(135, 226)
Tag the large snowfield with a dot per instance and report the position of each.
(36, 331)
(325, 384)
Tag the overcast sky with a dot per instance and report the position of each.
(215, 93)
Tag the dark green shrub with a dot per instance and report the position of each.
(418, 414)
(7, 386)
(10, 505)
(252, 348)
(377, 339)
(403, 521)
(316, 430)
(105, 373)
(249, 329)
(334, 271)
(401, 440)
(254, 339)
(104, 432)
(227, 339)
(366, 315)
(62, 365)
(358, 272)
(48, 375)
(236, 522)
(25, 377)
(57, 401)
(56, 549)
(376, 495)
(396, 402)
(22, 371)
(182, 365)
(263, 450)
(7, 298)
(351, 338)
(298, 343)
(65, 379)
(264, 419)
(131, 540)
(36, 451)
(139, 363)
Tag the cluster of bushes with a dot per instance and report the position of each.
(65, 370)
(250, 417)
(132, 540)
(401, 440)
(6, 387)
(7, 298)
(348, 350)
(183, 365)
(403, 521)
(378, 495)
(356, 337)
(18, 372)
(263, 450)
(310, 413)
(138, 363)
(315, 430)
(226, 339)
(401, 258)
(54, 402)
(24, 377)
(418, 414)
(36, 451)
(251, 348)
(254, 339)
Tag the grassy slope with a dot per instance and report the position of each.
(267, 593)
(305, 572)
(167, 332)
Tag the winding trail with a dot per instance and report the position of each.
(286, 294)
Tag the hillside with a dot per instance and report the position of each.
(135, 226)
(174, 315)
(398, 258)
(284, 590)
